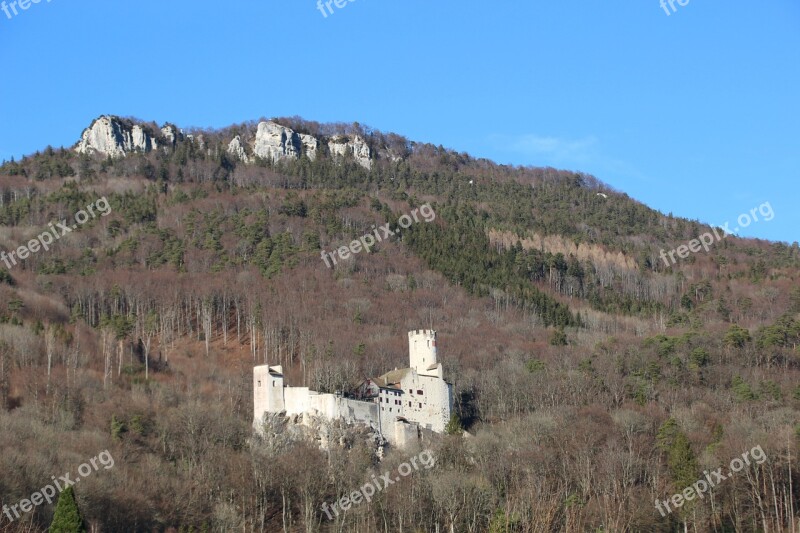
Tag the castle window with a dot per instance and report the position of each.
(419, 392)
(410, 391)
(409, 404)
(274, 383)
(420, 406)
(259, 383)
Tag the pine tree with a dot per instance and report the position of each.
(67, 518)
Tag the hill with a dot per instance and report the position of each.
(595, 375)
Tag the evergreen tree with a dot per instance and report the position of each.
(454, 426)
(67, 518)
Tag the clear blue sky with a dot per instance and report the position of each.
(694, 113)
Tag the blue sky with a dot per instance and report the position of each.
(694, 113)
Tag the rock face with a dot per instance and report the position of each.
(278, 430)
(340, 146)
(236, 149)
(275, 142)
(171, 134)
(310, 143)
(115, 137)
(112, 137)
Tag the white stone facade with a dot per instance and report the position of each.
(399, 404)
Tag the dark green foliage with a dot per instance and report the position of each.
(785, 333)
(293, 206)
(558, 338)
(794, 300)
(117, 427)
(5, 277)
(462, 253)
(171, 251)
(135, 208)
(682, 462)
(454, 426)
(771, 390)
(52, 266)
(737, 336)
(67, 517)
(53, 164)
(505, 523)
(743, 391)
(535, 365)
(699, 358)
(664, 345)
(121, 325)
(680, 458)
(12, 168)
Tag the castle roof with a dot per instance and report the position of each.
(391, 380)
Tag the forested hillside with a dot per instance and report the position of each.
(592, 377)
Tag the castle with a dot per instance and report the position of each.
(401, 405)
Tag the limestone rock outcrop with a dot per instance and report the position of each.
(277, 429)
(112, 136)
(171, 134)
(275, 142)
(340, 145)
(109, 136)
(236, 149)
(311, 144)
(116, 137)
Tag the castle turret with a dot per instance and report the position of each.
(422, 350)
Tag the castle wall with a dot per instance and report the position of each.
(363, 412)
(404, 434)
(297, 400)
(432, 408)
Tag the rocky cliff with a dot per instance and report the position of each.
(357, 146)
(116, 137)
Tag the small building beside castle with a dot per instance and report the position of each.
(400, 405)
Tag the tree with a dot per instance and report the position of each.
(558, 338)
(454, 426)
(67, 518)
(737, 336)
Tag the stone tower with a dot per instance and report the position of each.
(422, 350)
(267, 391)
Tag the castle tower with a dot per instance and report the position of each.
(267, 391)
(422, 350)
